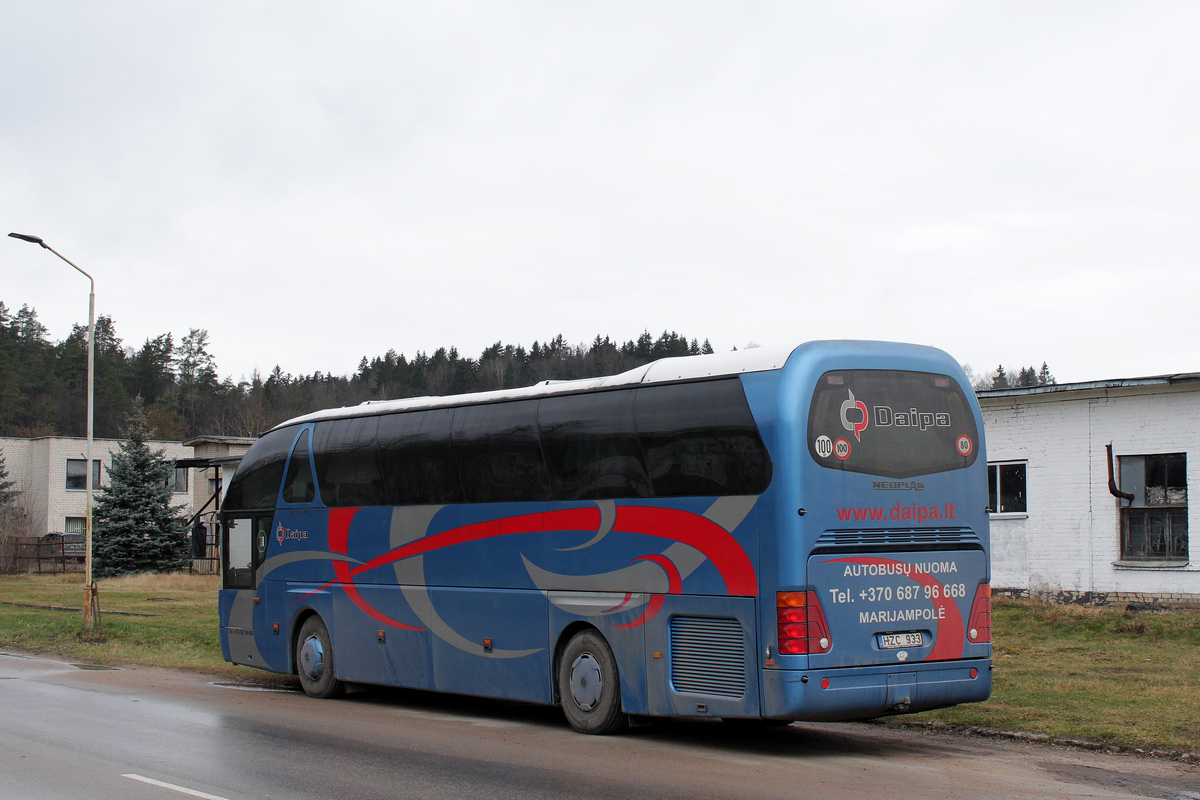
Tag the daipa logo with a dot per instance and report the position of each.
(854, 405)
(282, 533)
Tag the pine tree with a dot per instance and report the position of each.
(1044, 378)
(137, 528)
(1000, 381)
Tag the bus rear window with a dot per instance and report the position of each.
(891, 423)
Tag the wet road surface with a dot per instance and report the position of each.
(153, 734)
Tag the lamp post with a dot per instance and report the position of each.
(91, 601)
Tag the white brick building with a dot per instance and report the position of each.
(1057, 530)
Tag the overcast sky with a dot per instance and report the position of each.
(315, 182)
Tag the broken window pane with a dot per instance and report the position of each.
(1154, 525)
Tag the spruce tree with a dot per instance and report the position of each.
(8, 490)
(12, 520)
(137, 528)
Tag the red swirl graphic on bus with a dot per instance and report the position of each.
(714, 542)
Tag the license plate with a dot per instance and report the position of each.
(893, 641)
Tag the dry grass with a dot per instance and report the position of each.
(159, 582)
(1097, 673)
(178, 629)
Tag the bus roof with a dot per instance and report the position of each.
(758, 359)
(681, 368)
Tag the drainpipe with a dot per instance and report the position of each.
(1113, 489)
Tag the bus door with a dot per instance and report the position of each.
(244, 547)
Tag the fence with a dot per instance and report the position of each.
(65, 555)
(210, 562)
(49, 555)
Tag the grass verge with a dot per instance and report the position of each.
(1128, 679)
(179, 629)
(1103, 674)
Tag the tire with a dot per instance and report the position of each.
(589, 686)
(314, 660)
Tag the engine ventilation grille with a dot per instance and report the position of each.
(910, 539)
(708, 656)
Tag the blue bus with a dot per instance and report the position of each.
(774, 534)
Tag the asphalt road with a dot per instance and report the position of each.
(150, 734)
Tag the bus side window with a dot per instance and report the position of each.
(255, 484)
(591, 446)
(347, 469)
(298, 486)
(416, 458)
(700, 439)
(498, 453)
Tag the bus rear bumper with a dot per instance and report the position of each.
(849, 693)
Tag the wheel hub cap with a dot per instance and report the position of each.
(312, 657)
(586, 682)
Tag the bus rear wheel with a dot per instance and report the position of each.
(589, 686)
(314, 660)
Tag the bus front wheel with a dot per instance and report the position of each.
(589, 686)
(314, 660)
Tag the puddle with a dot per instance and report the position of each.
(94, 666)
(255, 687)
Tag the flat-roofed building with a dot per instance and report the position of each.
(50, 473)
(1060, 529)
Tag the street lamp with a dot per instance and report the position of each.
(91, 600)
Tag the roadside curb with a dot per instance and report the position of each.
(74, 610)
(1184, 756)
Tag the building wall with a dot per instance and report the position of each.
(1065, 547)
(42, 467)
(16, 461)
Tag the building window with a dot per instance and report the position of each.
(212, 485)
(75, 525)
(179, 482)
(1154, 526)
(77, 474)
(1006, 488)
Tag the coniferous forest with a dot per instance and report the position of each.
(43, 384)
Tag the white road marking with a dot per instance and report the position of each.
(173, 787)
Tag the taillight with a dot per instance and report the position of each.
(980, 629)
(801, 624)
